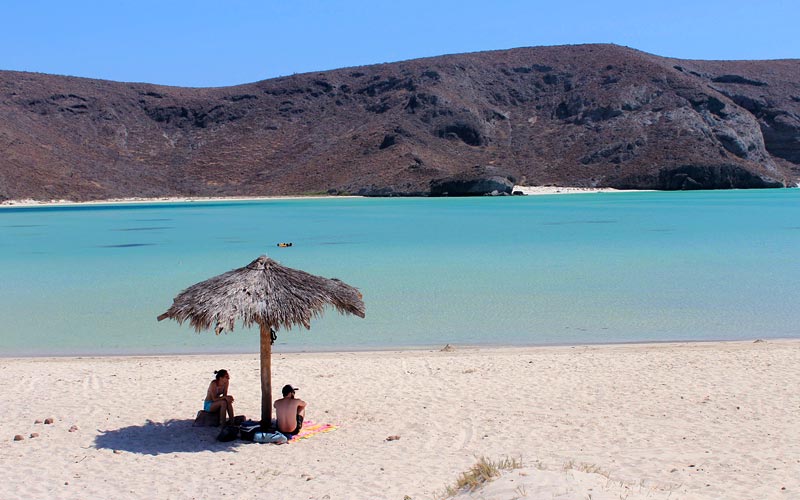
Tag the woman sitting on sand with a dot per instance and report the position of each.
(217, 398)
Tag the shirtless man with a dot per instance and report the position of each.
(290, 412)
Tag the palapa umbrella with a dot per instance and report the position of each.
(265, 293)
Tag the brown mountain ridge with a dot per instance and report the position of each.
(584, 115)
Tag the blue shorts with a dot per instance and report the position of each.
(207, 405)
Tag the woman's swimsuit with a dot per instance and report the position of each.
(207, 404)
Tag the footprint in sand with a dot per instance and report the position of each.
(92, 383)
(467, 431)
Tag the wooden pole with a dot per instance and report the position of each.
(266, 376)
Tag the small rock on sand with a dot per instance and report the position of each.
(37, 421)
(34, 434)
(393, 438)
(48, 421)
(19, 437)
(73, 428)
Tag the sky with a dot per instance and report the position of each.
(218, 43)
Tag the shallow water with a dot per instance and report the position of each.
(605, 267)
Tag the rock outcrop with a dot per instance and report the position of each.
(479, 181)
(586, 116)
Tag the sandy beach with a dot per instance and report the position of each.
(542, 190)
(683, 420)
(527, 190)
(165, 199)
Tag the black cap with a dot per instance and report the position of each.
(287, 389)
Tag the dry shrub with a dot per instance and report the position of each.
(484, 470)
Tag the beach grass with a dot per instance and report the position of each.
(483, 471)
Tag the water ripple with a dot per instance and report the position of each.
(127, 245)
(564, 223)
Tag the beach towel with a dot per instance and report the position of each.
(311, 429)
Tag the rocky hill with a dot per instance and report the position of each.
(587, 115)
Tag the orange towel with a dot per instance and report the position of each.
(312, 429)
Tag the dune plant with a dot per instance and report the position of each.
(483, 471)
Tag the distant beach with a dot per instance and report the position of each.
(649, 421)
(527, 190)
(164, 199)
(541, 190)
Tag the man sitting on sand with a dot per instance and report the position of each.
(289, 412)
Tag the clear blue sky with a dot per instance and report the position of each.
(226, 42)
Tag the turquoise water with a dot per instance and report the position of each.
(589, 268)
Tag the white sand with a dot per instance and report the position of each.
(166, 199)
(539, 190)
(528, 190)
(701, 420)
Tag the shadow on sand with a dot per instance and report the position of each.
(156, 438)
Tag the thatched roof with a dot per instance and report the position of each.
(263, 292)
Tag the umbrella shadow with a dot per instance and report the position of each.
(156, 438)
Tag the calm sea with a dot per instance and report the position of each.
(571, 269)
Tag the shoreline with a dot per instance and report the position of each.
(636, 421)
(546, 190)
(447, 347)
(23, 203)
(526, 190)
(165, 200)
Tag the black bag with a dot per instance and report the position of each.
(248, 431)
(228, 433)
